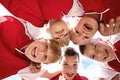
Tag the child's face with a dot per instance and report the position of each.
(100, 51)
(39, 51)
(69, 66)
(60, 32)
(84, 30)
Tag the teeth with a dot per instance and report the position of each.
(34, 51)
(69, 75)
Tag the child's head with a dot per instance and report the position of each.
(85, 29)
(98, 50)
(45, 51)
(69, 62)
(59, 31)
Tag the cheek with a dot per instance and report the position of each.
(52, 34)
(65, 69)
(92, 34)
(75, 69)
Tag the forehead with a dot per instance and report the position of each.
(58, 27)
(89, 49)
(70, 59)
(57, 24)
(87, 20)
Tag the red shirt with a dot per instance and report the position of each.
(12, 36)
(39, 12)
(115, 64)
(77, 77)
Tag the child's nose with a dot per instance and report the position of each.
(71, 69)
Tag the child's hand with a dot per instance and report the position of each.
(35, 67)
(61, 77)
(113, 28)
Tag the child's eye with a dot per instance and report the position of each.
(93, 56)
(74, 65)
(45, 57)
(46, 46)
(65, 64)
(76, 31)
(65, 34)
(94, 47)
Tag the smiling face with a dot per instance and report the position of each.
(100, 51)
(84, 30)
(69, 66)
(60, 32)
(39, 51)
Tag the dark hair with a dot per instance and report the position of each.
(82, 49)
(71, 52)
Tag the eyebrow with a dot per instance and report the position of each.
(60, 31)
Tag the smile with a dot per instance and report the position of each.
(70, 74)
(87, 27)
(34, 51)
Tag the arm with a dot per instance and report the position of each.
(35, 67)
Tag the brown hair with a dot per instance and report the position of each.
(71, 52)
(94, 16)
(82, 48)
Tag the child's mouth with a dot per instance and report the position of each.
(70, 74)
(87, 27)
(33, 52)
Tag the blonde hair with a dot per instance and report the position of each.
(53, 21)
(54, 45)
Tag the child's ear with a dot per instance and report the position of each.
(96, 16)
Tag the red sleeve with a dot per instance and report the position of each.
(54, 8)
(28, 10)
(78, 77)
(12, 35)
(101, 5)
(38, 12)
(56, 77)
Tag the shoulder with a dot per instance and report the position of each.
(78, 77)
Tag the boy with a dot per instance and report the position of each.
(69, 64)
(106, 52)
(18, 47)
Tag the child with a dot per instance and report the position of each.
(58, 30)
(88, 25)
(69, 64)
(79, 30)
(104, 52)
(18, 47)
